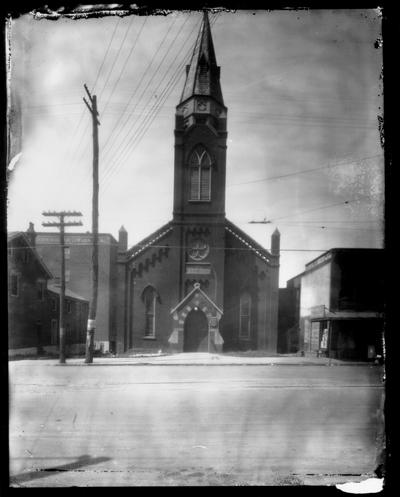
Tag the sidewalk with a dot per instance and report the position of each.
(202, 359)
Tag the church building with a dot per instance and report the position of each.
(198, 283)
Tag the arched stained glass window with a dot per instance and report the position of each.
(245, 315)
(200, 175)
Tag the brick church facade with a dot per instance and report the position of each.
(198, 283)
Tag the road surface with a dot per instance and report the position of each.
(192, 425)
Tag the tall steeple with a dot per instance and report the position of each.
(203, 73)
(200, 137)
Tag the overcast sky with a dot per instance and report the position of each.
(303, 92)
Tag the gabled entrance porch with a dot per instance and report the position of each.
(196, 324)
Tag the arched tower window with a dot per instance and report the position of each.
(149, 297)
(245, 315)
(200, 174)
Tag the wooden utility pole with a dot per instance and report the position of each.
(62, 224)
(91, 325)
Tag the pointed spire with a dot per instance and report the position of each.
(275, 242)
(122, 239)
(202, 74)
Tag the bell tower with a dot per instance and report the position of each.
(200, 137)
(199, 174)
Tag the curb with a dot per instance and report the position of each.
(215, 364)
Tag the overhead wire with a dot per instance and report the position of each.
(213, 247)
(296, 173)
(126, 106)
(99, 71)
(151, 114)
(104, 87)
(82, 113)
(123, 69)
(137, 122)
(345, 202)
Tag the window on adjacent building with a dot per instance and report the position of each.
(69, 306)
(245, 316)
(200, 175)
(14, 284)
(53, 304)
(149, 299)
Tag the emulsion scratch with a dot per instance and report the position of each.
(73, 421)
(371, 485)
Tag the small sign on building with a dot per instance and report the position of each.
(198, 269)
(324, 339)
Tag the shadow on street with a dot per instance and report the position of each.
(81, 462)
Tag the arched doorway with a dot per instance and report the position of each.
(195, 333)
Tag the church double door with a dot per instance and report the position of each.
(195, 333)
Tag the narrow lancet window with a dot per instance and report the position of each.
(149, 299)
(200, 175)
(245, 316)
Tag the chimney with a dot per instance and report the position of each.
(122, 239)
(275, 242)
(31, 235)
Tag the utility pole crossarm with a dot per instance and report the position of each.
(92, 109)
(77, 223)
(88, 92)
(87, 105)
(62, 213)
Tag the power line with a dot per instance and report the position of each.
(104, 86)
(149, 118)
(138, 245)
(124, 65)
(94, 84)
(137, 120)
(105, 55)
(303, 124)
(345, 202)
(328, 166)
(135, 90)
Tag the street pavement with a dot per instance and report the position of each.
(202, 358)
(162, 424)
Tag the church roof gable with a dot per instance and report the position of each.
(149, 241)
(248, 242)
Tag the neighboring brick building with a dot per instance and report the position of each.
(288, 316)
(76, 310)
(78, 275)
(342, 303)
(27, 283)
(33, 304)
(199, 282)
